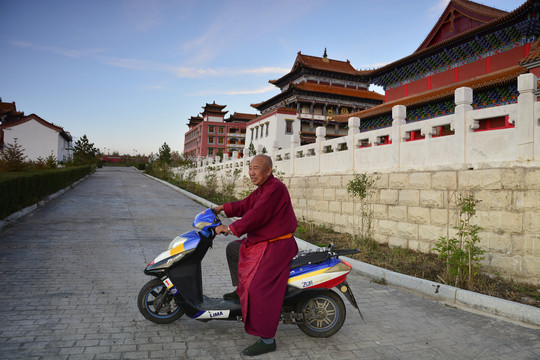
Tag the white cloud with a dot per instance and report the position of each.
(56, 50)
(264, 70)
(149, 65)
(374, 65)
(262, 90)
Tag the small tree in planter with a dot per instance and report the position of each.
(461, 253)
(361, 186)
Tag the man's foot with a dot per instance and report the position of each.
(231, 296)
(259, 348)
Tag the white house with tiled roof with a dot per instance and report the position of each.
(39, 138)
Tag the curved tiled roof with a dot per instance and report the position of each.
(328, 89)
(478, 12)
(437, 47)
(324, 64)
(476, 83)
(534, 55)
(241, 116)
(43, 122)
(323, 89)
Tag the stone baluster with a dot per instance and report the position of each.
(525, 124)
(399, 113)
(463, 98)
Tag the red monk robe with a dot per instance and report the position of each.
(267, 214)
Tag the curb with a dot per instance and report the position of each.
(437, 291)
(27, 210)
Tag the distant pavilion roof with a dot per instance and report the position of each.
(241, 117)
(318, 63)
(213, 109)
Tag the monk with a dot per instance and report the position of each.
(268, 220)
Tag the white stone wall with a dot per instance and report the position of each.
(501, 167)
(411, 211)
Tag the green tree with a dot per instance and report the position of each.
(462, 253)
(165, 154)
(51, 161)
(361, 186)
(251, 150)
(12, 157)
(84, 151)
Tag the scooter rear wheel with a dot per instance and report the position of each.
(157, 304)
(324, 314)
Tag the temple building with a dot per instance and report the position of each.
(312, 93)
(211, 134)
(8, 113)
(471, 45)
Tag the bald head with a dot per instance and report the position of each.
(266, 160)
(260, 169)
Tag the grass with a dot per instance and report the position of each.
(417, 264)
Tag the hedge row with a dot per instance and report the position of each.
(21, 189)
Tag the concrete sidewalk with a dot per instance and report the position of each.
(71, 271)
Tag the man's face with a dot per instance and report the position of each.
(259, 171)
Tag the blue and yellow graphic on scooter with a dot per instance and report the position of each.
(318, 274)
(178, 248)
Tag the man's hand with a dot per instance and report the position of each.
(218, 209)
(223, 229)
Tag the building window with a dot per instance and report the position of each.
(251, 135)
(288, 127)
(256, 132)
(210, 151)
(211, 129)
(221, 130)
(220, 140)
(211, 140)
(267, 126)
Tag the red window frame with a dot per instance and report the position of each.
(415, 135)
(494, 123)
(385, 140)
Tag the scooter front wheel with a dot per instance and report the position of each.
(324, 314)
(157, 304)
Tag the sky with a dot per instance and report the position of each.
(129, 74)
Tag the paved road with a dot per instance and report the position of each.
(71, 272)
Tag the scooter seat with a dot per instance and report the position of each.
(311, 257)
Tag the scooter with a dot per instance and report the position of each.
(309, 301)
